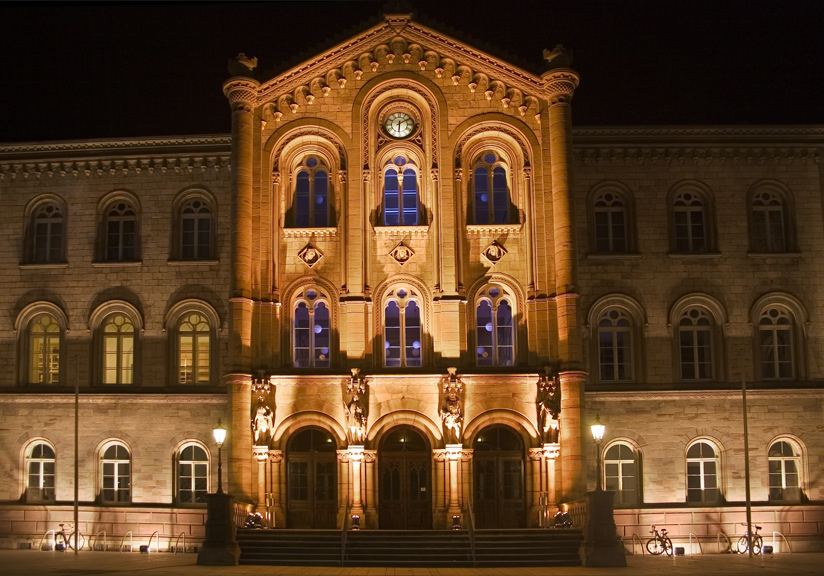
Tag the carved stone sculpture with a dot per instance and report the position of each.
(263, 424)
(548, 404)
(356, 417)
(451, 410)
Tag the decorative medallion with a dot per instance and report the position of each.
(310, 255)
(494, 252)
(401, 253)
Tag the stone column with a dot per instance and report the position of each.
(370, 511)
(356, 459)
(261, 454)
(573, 472)
(453, 456)
(275, 503)
(239, 437)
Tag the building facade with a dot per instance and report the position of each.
(389, 285)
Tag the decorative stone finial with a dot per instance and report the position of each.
(558, 57)
(242, 65)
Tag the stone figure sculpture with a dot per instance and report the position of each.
(263, 424)
(451, 411)
(356, 410)
(549, 407)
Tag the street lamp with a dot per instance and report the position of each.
(219, 433)
(598, 430)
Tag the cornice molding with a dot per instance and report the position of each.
(107, 147)
(751, 154)
(671, 395)
(768, 135)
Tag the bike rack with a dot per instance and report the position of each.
(698, 541)
(181, 535)
(93, 540)
(640, 543)
(718, 542)
(787, 542)
(157, 542)
(40, 544)
(130, 536)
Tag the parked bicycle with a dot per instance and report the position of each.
(66, 534)
(757, 541)
(659, 543)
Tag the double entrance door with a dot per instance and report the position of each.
(499, 495)
(405, 492)
(312, 481)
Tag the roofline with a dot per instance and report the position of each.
(738, 135)
(158, 145)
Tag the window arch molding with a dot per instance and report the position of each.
(22, 329)
(295, 294)
(691, 210)
(417, 292)
(96, 325)
(708, 484)
(763, 221)
(33, 252)
(128, 250)
(120, 476)
(774, 473)
(171, 325)
(512, 292)
(632, 310)
(183, 200)
(41, 471)
(680, 311)
(179, 475)
(611, 216)
(784, 304)
(622, 475)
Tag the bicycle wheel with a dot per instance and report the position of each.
(742, 546)
(757, 545)
(81, 541)
(654, 546)
(667, 545)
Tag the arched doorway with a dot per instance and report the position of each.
(311, 481)
(405, 493)
(499, 478)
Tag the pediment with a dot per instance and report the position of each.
(399, 43)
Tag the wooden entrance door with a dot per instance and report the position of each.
(405, 493)
(311, 480)
(499, 479)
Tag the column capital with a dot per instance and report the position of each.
(559, 85)
(242, 93)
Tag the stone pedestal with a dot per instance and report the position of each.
(600, 546)
(220, 547)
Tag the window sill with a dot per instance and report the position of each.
(614, 256)
(486, 229)
(328, 232)
(134, 264)
(695, 255)
(413, 231)
(45, 266)
(780, 255)
(204, 262)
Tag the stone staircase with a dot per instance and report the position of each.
(410, 548)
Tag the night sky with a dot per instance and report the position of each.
(97, 70)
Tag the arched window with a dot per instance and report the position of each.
(490, 190)
(192, 475)
(785, 472)
(194, 349)
(120, 229)
(45, 335)
(695, 344)
(692, 223)
(702, 473)
(116, 475)
(311, 332)
(400, 192)
(196, 230)
(615, 343)
(48, 234)
(311, 204)
(771, 218)
(40, 473)
(118, 336)
(776, 344)
(621, 474)
(610, 214)
(495, 328)
(402, 329)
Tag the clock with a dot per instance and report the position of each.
(399, 125)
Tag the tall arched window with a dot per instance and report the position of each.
(118, 336)
(776, 344)
(196, 230)
(192, 475)
(702, 473)
(40, 473)
(695, 344)
(311, 204)
(621, 474)
(194, 349)
(490, 190)
(785, 472)
(45, 337)
(495, 328)
(311, 333)
(116, 463)
(120, 229)
(402, 329)
(48, 234)
(692, 219)
(400, 193)
(771, 218)
(611, 222)
(615, 342)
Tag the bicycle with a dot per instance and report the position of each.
(67, 534)
(757, 541)
(659, 543)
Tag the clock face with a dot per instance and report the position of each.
(399, 125)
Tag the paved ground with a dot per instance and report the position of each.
(33, 563)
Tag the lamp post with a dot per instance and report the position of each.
(598, 430)
(219, 433)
